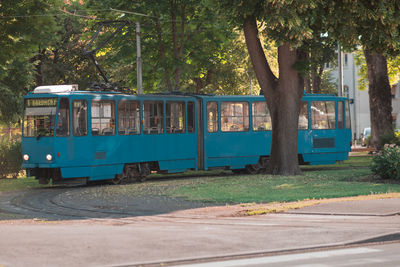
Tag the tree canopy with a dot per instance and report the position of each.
(24, 28)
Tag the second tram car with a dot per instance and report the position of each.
(79, 136)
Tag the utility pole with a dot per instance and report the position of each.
(340, 69)
(251, 82)
(251, 86)
(139, 60)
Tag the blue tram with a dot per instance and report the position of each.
(72, 136)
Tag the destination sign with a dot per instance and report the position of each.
(41, 102)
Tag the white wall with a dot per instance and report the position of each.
(360, 107)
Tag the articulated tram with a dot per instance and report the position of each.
(72, 136)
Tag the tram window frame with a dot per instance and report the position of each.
(322, 110)
(347, 115)
(303, 113)
(261, 121)
(153, 118)
(340, 115)
(63, 118)
(39, 117)
(212, 121)
(175, 117)
(235, 118)
(129, 117)
(79, 115)
(191, 121)
(103, 118)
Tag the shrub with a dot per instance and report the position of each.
(386, 164)
(10, 158)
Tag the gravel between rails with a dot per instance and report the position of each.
(60, 203)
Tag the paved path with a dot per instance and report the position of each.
(192, 234)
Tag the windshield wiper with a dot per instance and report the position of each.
(40, 133)
(38, 136)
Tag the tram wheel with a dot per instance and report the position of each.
(144, 171)
(118, 179)
(253, 168)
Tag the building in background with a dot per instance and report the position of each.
(359, 107)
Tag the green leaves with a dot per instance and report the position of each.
(386, 164)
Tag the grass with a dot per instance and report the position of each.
(12, 184)
(349, 178)
(264, 188)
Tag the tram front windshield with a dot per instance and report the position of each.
(39, 117)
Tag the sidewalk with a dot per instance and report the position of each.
(377, 207)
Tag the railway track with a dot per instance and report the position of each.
(49, 204)
(79, 203)
(93, 201)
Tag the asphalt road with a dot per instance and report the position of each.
(366, 256)
(187, 235)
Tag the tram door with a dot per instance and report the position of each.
(200, 134)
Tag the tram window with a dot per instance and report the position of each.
(63, 118)
(153, 117)
(347, 115)
(303, 116)
(190, 116)
(128, 117)
(323, 115)
(103, 117)
(234, 116)
(175, 117)
(39, 117)
(261, 116)
(340, 115)
(212, 117)
(79, 118)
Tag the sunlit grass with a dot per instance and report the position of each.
(265, 188)
(349, 178)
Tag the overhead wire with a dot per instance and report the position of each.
(65, 12)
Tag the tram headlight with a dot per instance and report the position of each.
(26, 157)
(49, 157)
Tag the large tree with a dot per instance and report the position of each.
(376, 26)
(293, 25)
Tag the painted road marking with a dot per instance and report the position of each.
(284, 258)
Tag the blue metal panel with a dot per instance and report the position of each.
(37, 150)
(233, 149)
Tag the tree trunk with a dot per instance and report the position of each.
(307, 85)
(283, 97)
(38, 61)
(380, 98)
(316, 80)
(162, 51)
(178, 51)
(199, 84)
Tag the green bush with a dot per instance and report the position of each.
(10, 158)
(386, 164)
(389, 138)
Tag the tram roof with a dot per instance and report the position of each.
(73, 90)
